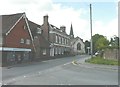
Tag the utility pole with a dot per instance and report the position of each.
(91, 31)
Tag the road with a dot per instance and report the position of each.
(61, 72)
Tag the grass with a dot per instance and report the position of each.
(100, 60)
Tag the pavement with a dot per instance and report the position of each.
(88, 65)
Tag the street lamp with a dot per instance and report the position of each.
(91, 45)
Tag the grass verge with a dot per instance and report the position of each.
(100, 60)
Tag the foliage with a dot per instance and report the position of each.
(99, 42)
(114, 42)
(100, 60)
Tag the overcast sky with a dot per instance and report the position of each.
(61, 12)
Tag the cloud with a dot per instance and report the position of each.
(58, 15)
(109, 29)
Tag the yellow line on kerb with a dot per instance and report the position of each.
(74, 62)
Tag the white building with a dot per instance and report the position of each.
(77, 44)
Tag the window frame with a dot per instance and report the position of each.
(22, 41)
(44, 52)
(28, 41)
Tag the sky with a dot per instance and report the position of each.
(67, 12)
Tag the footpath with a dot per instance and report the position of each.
(82, 63)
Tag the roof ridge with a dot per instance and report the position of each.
(13, 14)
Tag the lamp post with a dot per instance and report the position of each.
(91, 45)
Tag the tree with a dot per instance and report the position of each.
(101, 43)
(95, 39)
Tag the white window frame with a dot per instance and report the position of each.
(39, 30)
(56, 50)
(28, 41)
(62, 40)
(65, 41)
(59, 39)
(44, 52)
(56, 39)
(24, 27)
(22, 40)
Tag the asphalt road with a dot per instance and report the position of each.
(61, 72)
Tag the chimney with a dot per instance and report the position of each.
(45, 19)
(63, 28)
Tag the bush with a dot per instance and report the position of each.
(100, 60)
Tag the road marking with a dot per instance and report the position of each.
(67, 63)
(74, 63)
(44, 61)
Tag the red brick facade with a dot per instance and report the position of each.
(13, 39)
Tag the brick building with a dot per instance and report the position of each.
(21, 40)
(40, 43)
(16, 39)
(58, 38)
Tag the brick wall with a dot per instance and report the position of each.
(111, 54)
(14, 37)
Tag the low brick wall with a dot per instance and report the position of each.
(111, 54)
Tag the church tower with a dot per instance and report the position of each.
(71, 32)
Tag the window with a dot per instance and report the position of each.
(65, 41)
(59, 39)
(59, 50)
(44, 51)
(78, 46)
(62, 40)
(56, 50)
(39, 31)
(24, 27)
(28, 41)
(56, 39)
(35, 37)
(22, 40)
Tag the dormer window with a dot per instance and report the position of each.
(39, 31)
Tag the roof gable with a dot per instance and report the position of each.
(43, 42)
(33, 27)
(8, 21)
(74, 40)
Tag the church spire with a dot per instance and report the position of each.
(71, 31)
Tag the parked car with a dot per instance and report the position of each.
(97, 53)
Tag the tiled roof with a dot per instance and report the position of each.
(58, 30)
(33, 26)
(75, 39)
(9, 20)
(42, 42)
